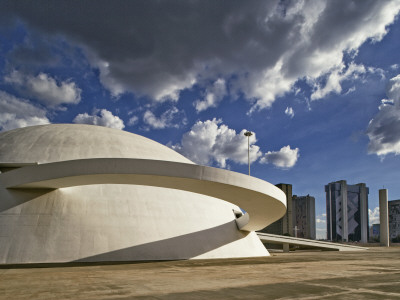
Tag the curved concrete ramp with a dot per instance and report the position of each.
(288, 240)
(263, 202)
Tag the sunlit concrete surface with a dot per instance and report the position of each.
(288, 240)
(373, 274)
(89, 193)
(263, 201)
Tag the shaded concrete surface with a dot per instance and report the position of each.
(373, 274)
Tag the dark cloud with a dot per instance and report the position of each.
(158, 48)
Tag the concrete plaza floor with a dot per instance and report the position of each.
(373, 274)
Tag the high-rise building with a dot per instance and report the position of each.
(303, 211)
(394, 218)
(347, 211)
(283, 225)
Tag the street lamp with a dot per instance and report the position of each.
(248, 134)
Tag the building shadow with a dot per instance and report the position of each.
(10, 198)
(176, 248)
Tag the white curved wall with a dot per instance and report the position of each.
(118, 223)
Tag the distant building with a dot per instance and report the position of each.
(347, 211)
(375, 232)
(394, 218)
(283, 225)
(303, 211)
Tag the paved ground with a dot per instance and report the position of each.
(373, 274)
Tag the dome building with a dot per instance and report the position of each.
(84, 193)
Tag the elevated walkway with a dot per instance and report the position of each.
(288, 240)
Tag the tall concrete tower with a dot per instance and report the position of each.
(383, 216)
(347, 211)
(303, 214)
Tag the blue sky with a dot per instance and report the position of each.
(318, 82)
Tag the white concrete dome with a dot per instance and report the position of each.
(84, 193)
(60, 142)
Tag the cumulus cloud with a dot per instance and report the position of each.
(260, 48)
(212, 96)
(100, 117)
(16, 112)
(172, 117)
(211, 141)
(384, 129)
(45, 89)
(285, 158)
(374, 216)
(289, 112)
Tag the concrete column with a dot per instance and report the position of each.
(345, 224)
(383, 216)
(289, 209)
(311, 201)
(286, 248)
(329, 224)
(363, 213)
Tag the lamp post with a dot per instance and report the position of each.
(248, 134)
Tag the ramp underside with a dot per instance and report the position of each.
(288, 240)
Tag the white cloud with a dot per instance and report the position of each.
(260, 48)
(289, 112)
(320, 226)
(213, 96)
(16, 112)
(211, 141)
(285, 158)
(106, 118)
(45, 89)
(172, 117)
(115, 87)
(265, 86)
(335, 78)
(374, 216)
(393, 89)
(350, 90)
(133, 121)
(384, 129)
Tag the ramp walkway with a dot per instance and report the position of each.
(288, 240)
